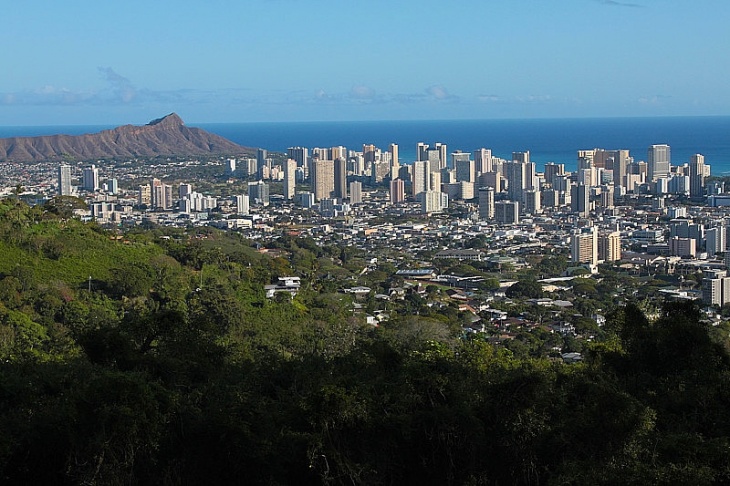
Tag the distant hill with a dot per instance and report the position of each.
(165, 136)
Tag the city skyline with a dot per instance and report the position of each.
(84, 63)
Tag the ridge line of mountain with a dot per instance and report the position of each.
(163, 136)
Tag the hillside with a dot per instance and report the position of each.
(165, 136)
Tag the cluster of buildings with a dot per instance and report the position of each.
(610, 209)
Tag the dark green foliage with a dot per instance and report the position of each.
(175, 369)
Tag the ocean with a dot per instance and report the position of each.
(548, 140)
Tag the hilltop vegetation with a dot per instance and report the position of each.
(170, 366)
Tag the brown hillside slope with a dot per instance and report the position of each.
(165, 136)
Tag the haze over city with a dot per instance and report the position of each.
(83, 62)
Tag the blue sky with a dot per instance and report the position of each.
(96, 62)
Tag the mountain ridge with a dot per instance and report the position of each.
(167, 135)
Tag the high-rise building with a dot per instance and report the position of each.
(338, 152)
(551, 170)
(290, 178)
(441, 148)
(421, 177)
(421, 152)
(242, 204)
(682, 247)
(483, 160)
(697, 176)
(394, 161)
(261, 162)
(658, 162)
(580, 200)
(112, 186)
(464, 168)
(368, 153)
(91, 178)
(431, 202)
(64, 180)
(397, 191)
(532, 198)
(231, 166)
(516, 174)
(258, 193)
(355, 192)
(522, 157)
(301, 155)
(716, 240)
(507, 212)
(323, 178)
(584, 246)
(144, 196)
(609, 246)
(486, 203)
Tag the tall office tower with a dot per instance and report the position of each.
(697, 176)
(658, 160)
(368, 153)
(290, 178)
(64, 180)
(580, 200)
(355, 192)
(242, 204)
(441, 148)
(551, 170)
(522, 157)
(609, 246)
(397, 191)
(516, 174)
(584, 246)
(184, 189)
(113, 186)
(483, 160)
(231, 166)
(421, 177)
(464, 169)
(431, 202)
(261, 161)
(507, 212)
(421, 152)
(91, 178)
(532, 201)
(486, 203)
(323, 178)
(340, 178)
(258, 193)
(394, 161)
(144, 197)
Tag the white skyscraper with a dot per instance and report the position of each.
(91, 178)
(290, 171)
(64, 180)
